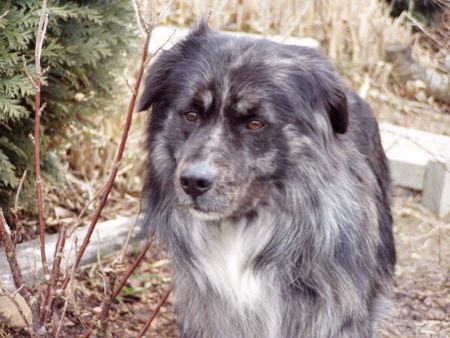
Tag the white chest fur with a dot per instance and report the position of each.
(224, 254)
(224, 260)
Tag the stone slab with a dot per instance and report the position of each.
(164, 37)
(421, 161)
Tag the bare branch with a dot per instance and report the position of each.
(155, 312)
(148, 28)
(147, 25)
(118, 159)
(130, 87)
(42, 28)
(423, 29)
(127, 275)
(66, 301)
(16, 272)
(41, 109)
(17, 234)
(63, 315)
(161, 15)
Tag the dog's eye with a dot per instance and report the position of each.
(191, 116)
(254, 124)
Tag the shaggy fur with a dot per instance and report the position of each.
(293, 238)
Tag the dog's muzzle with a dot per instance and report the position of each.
(196, 179)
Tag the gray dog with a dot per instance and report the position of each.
(269, 188)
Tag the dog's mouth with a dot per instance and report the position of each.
(206, 215)
(216, 208)
(226, 199)
(200, 212)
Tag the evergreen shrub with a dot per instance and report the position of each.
(86, 45)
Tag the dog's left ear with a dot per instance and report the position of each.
(326, 89)
(336, 106)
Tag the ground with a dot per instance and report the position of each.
(421, 298)
(421, 305)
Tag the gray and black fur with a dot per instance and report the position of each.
(279, 231)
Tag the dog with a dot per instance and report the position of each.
(268, 186)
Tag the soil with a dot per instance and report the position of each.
(421, 300)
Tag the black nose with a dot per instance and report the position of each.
(196, 180)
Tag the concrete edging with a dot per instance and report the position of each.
(108, 237)
(421, 161)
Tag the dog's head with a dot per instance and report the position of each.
(225, 110)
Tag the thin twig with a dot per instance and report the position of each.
(155, 312)
(127, 275)
(18, 307)
(130, 234)
(423, 29)
(66, 301)
(422, 237)
(42, 28)
(435, 157)
(161, 47)
(127, 82)
(83, 211)
(19, 189)
(63, 315)
(132, 268)
(43, 21)
(16, 272)
(56, 271)
(138, 14)
(109, 280)
(18, 223)
(152, 23)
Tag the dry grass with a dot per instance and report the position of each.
(353, 33)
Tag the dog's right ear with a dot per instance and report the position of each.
(158, 74)
(154, 82)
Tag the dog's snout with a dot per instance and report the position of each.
(196, 180)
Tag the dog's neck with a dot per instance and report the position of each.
(224, 252)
